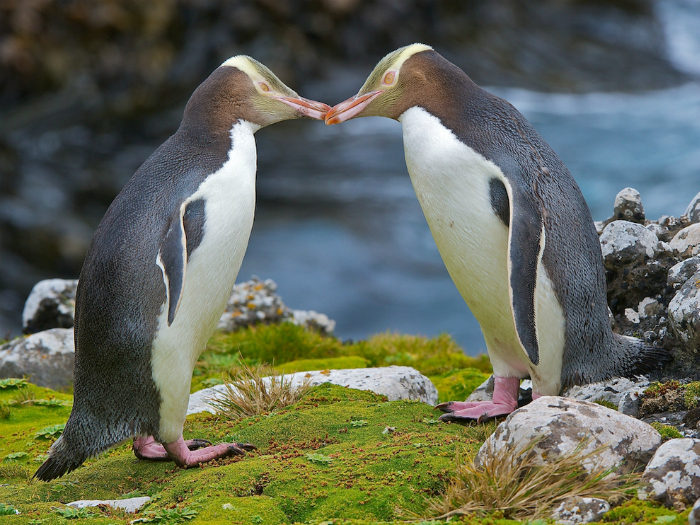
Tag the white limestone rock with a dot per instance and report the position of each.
(679, 273)
(624, 242)
(614, 390)
(693, 209)
(51, 304)
(684, 313)
(694, 516)
(129, 505)
(559, 425)
(674, 473)
(580, 510)
(46, 358)
(628, 206)
(395, 382)
(686, 243)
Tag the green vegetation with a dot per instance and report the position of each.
(605, 403)
(667, 432)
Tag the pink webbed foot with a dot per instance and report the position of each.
(183, 457)
(504, 401)
(149, 449)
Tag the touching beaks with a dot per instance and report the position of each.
(350, 108)
(308, 108)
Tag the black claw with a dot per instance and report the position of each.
(246, 446)
(445, 407)
(198, 443)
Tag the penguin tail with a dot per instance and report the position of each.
(61, 461)
(637, 358)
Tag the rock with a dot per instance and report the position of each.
(612, 390)
(674, 473)
(693, 209)
(599, 226)
(681, 272)
(46, 358)
(51, 304)
(255, 301)
(580, 510)
(694, 516)
(625, 242)
(628, 206)
(686, 243)
(629, 404)
(684, 313)
(660, 231)
(395, 382)
(648, 307)
(559, 425)
(130, 505)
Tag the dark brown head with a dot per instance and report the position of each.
(244, 89)
(410, 76)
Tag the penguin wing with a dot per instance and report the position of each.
(172, 258)
(526, 241)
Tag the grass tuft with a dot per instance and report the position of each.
(518, 486)
(667, 431)
(252, 391)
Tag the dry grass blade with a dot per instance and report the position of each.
(520, 487)
(255, 391)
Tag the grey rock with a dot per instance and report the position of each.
(395, 382)
(46, 358)
(559, 425)
(255, 301)
(684, 270)
(51, 304)
(684, 313)
(599, 226)
(580, 510)
(649, 307)
(660, 231)
(130, 505)
(612, 390)
(693, 209)
(694, 516)
(624, 242)
(628, 206)
(629, 404)
(674, 473)
(686, 243)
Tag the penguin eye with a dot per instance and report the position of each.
(388, 78)
(264, 86)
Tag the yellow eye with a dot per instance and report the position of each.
(264, 86)
(389, 78)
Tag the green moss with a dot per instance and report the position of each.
(331, 363)
(606, 404)
(692, 394)
(458, 384)
(657, 389)
(643, 513)
(667, 432)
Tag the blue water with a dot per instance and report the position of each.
(339, 228)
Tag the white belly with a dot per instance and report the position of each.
(452, 185)
(210, 275)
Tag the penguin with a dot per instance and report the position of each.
(160, 269)
(511, 225)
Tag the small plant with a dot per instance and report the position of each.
(167, 516)
(24, 397)
(430, 421)
(7, 510)
(667, 432)
(359, 423)
(15, 456)
(70, 513)
(319, 458)
(692, 394)
(51, 432)
(13, 382)
(520, 487)
(605, 403)
(253, 391)
(657, 389)
(5, 411)
(51, 403)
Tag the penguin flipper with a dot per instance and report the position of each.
(172, 259)
(526, 240)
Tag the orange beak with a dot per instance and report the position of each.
(307, 108)
(350, 108)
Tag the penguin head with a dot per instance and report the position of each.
(244, 89)
(389, 90)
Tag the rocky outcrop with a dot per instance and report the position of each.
(559, 425)
(674, 473)
(580, 510)
(394, 382)
(46, 358)
(51, 304)
(129, 505)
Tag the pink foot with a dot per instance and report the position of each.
(148, 448)
(505, 401)
(184, 457)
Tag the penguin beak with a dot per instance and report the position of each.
(350, 108)
(306, 107)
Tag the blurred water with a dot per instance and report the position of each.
(339, 227)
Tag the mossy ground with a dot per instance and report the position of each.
(329, 458)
